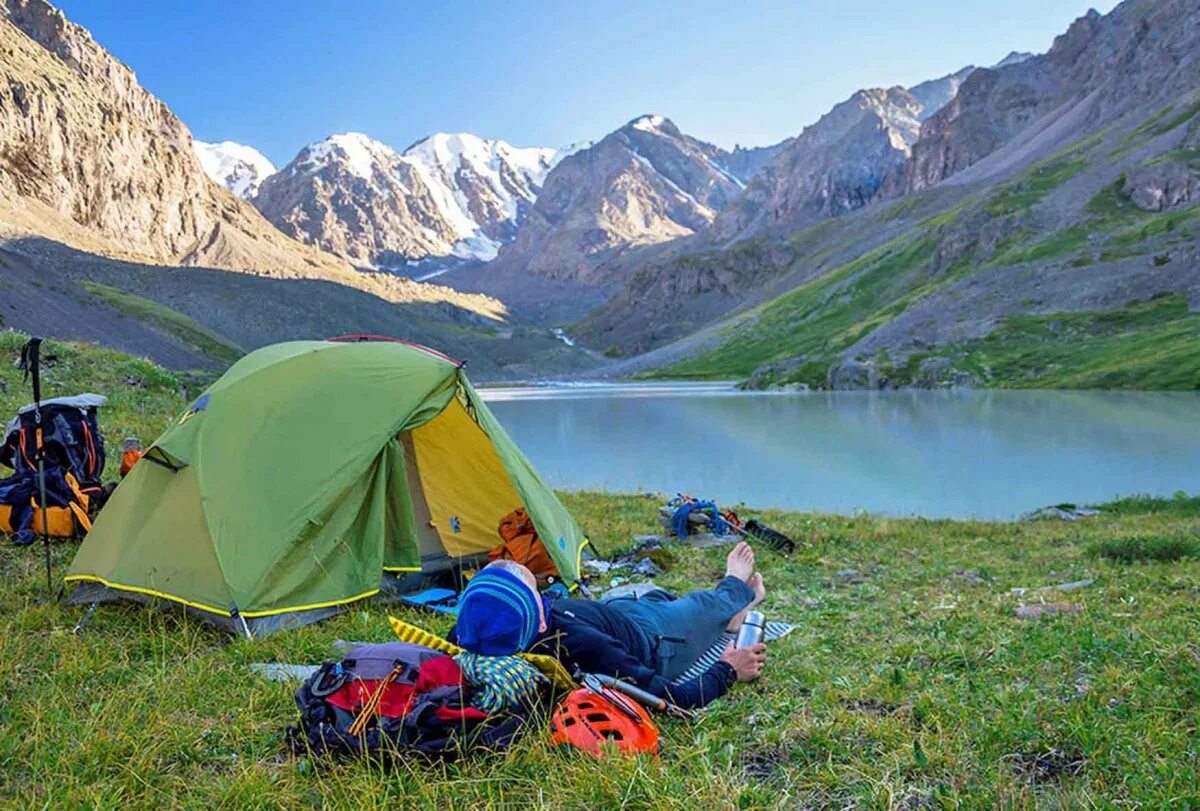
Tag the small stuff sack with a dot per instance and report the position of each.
(393, 698)
(522, 545)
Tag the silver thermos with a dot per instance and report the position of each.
(752, 630)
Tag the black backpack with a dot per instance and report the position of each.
(70, 435)
(337, 719)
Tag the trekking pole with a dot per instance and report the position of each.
(594, 681)
(31, 364)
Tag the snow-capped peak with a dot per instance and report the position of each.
(454, 150)
(481, 186)
(648, 123)
(449, 194)
(235, 166)
(359, 153)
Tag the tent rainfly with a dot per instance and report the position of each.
(309, 471)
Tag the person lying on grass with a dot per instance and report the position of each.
(649, 641)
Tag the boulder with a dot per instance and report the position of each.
(852, 374)
(940, 373)
(1162, 185)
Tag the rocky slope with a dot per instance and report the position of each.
(855, 154)
(90, 158)
(745, 162)
(1143, 50)
(235, 166)
(78, 134)
(935, 94)
(645, 183)
(1065, 182)
(447, 196)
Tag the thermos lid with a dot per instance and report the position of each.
(754, 618)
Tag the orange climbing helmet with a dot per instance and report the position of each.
(587, 719)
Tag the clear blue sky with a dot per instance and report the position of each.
(277, 75)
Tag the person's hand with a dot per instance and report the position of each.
(747, 663)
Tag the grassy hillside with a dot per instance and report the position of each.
(909, 682)
(1147, 345)
(167, 320)
(1098, 254)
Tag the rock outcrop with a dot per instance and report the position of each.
(1164, 184)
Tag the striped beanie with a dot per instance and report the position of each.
(497, 614)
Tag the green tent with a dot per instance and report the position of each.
(307, 473)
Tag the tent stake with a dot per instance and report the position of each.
(78, 629)
(237, 617)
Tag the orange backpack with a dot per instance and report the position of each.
(522, 544)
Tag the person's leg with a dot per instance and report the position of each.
(685, 628)
(760, 593)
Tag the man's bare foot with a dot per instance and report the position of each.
(760, 593)
(740, 562)
(760, 590)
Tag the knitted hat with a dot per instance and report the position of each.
(497, 614)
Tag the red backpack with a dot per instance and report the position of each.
(393, 697)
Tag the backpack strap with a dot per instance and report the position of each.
(79, 505)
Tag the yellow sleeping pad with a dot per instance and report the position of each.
(549, 666)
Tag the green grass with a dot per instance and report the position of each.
(166, 320)
(1157, 548)
(1022, 194)
(1181, 505)
(908, 684)
(1147, 345)
(1158, 124)
(1112, 226)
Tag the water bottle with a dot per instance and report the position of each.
(752, 630)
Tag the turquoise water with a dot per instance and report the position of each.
(993, 454)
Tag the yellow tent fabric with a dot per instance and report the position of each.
(465, 483)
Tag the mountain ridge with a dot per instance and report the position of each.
(448, 196)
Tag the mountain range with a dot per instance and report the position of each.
(884, 244)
